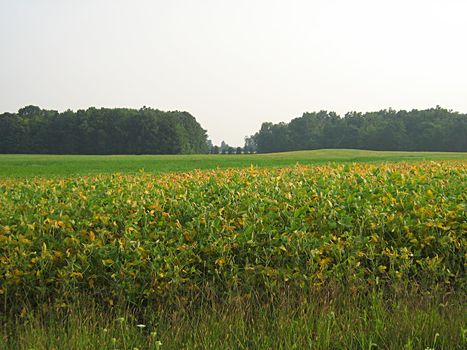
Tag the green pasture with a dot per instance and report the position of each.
(23, 165)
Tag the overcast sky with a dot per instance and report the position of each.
(234, 64)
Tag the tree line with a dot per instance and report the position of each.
(434, 129)
(101, 131)
(224, 148)
(151, 131)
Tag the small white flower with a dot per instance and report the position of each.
(141, 325)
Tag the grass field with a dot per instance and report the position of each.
(59, 165)
(318, 322)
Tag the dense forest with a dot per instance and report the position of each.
(435, 129)
(151, 131)
(101, 131)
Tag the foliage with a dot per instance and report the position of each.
(144, 238)
(433, 129)
(101, 131)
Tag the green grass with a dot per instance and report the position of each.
(69, 165)
(321, 321)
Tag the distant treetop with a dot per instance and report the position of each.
(434, 129)
(101, 131)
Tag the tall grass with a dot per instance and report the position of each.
(315, 321)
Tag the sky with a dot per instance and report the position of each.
(234, 64)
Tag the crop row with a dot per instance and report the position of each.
(146, 237)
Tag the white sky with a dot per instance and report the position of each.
(234, 64)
